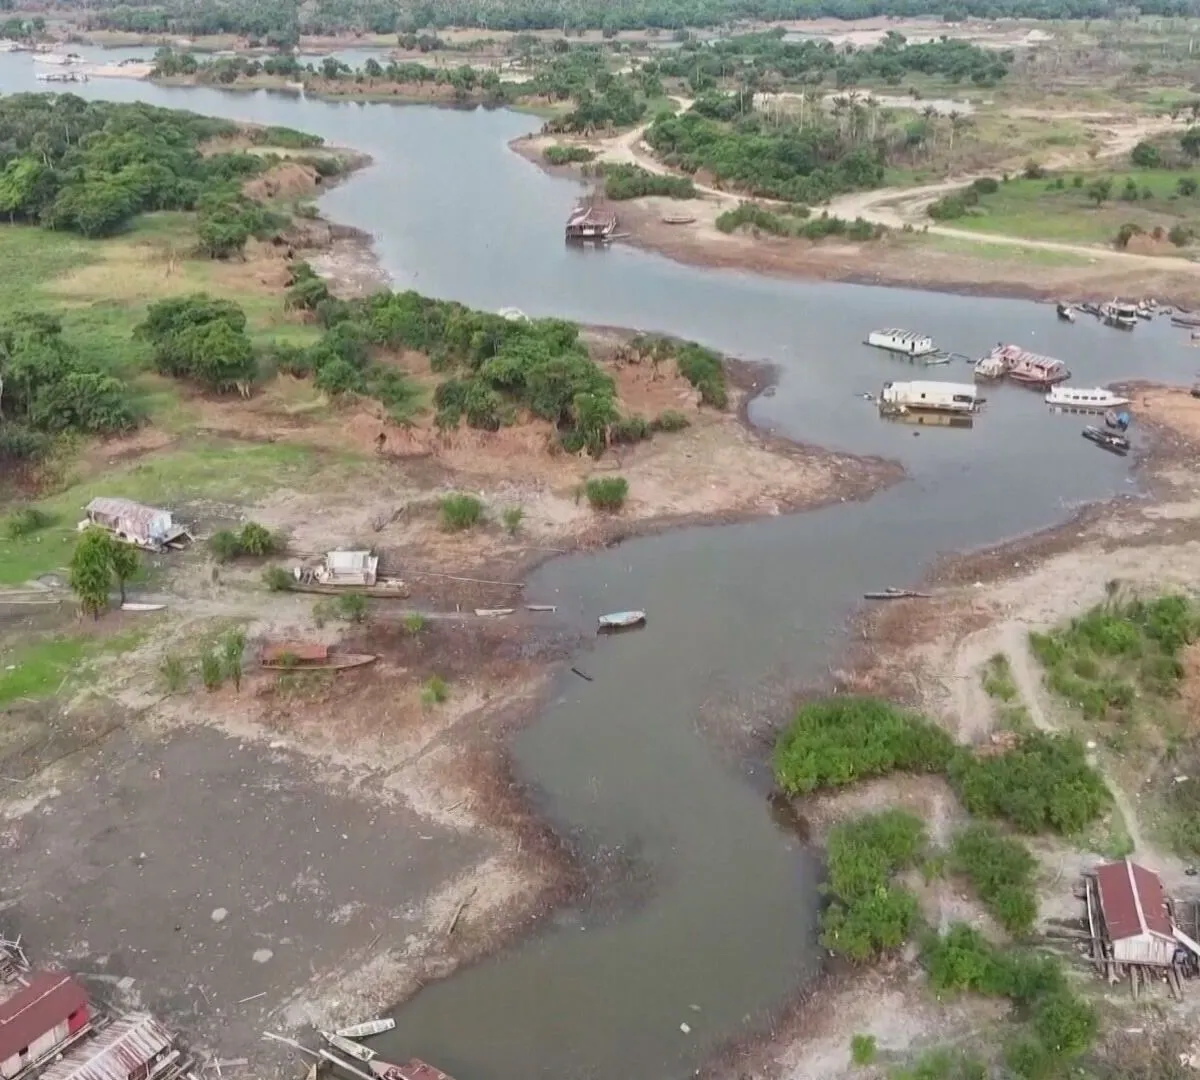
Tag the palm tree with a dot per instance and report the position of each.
(931, 118)
(872, 106)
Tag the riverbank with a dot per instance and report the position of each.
(935, 655)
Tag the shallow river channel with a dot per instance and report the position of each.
(719, 927)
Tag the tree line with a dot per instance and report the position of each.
(281, 21)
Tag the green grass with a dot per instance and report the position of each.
(1035, 209)
(219, 471)
(997, 679)
(40, 668)
(981, 249)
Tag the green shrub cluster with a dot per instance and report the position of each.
(1042, 783)
(252, 539)
(49, 388)
(460, 511)
(704, 369)
(633, 182)
(758, 218)
(568, 155)
(607, 493)
(201, 338)
(1002, 872)
(867, 914)
(839, 740)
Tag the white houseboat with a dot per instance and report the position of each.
(1080, 397)
(931, 396)
(902, 341)
(1118, 313)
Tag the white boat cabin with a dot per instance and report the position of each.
(935, 396)
(1078, 397)
(902, 341)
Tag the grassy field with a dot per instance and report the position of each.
(952, 245)
(1044, 210)
(37, 669)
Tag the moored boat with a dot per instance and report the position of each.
(1066, 312)
(622, 620)
(367, 1028)
(589, 222)
(929, 396)
(1107, 440)
(1118, 420)
(1076, 397)
(1030, 369)
(905, 342)
(291, 656)
(413, 1069)
(1122, 315)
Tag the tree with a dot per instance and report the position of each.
(1186, 186)
(1146, 156)
(1189, 143)
(125, 563)
(92, 570)
(1100, 190)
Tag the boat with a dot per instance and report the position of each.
(930, 396)
(295, 655)
(1108, 440)
(589, 222)
(413, 1069)
(1027, 368)
(1185, 320)
(1120, 314)
(622, 620)
(1075, 397)
(1118, 420)
(348, 1046)
(131, 605)
(58, 58)
(62, 76)
(1065, 312)
(991, 367)
(892, 593)
(493, 612)
(902, 341)
(678, 219)
(367, 1028)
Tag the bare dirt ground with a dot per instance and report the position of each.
(931, 654)
(936, 257)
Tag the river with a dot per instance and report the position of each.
(721, 927)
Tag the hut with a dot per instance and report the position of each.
(144, 526)
(135, 1047)
(1133, 931)
(349, 568)
(47, 1013)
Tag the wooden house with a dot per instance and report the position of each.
(46, 1013)
(135, 1047)
(144, 526)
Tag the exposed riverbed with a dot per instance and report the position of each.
(717, 926)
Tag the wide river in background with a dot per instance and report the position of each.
(725, 929)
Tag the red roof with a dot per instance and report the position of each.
(1132, 901)
(46, 1002)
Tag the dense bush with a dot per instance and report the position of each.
(252, 539)
(460, 511)
(607, 492)
(1045, 782)
(567, 155)
(1002, 871)
(201, 338)
(839, 740)
(634, 182)
(867, 914)
(705, 370)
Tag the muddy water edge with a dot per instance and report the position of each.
(712, 924)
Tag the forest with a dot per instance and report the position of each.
(91, 167)
(281, 21)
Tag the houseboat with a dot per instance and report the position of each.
(58, 58)
(905, 342)
(1077, 397)
(1120, 314)
(1066, 312)
(931, 396)
(588, 222)
(62, 76)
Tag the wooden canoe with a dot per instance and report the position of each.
(367, 1028)
(333, 662)
(348, 1046)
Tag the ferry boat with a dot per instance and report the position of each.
(1076, 397)
(1120, 314)
(902, 341)
(931, 396)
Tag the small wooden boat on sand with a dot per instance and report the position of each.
(348, 1046)
(293, 656)
(367, 1028)
(622, 620)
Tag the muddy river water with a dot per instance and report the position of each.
(718, 924)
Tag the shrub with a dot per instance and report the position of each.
(1002, 872)
(256, 539)
(224, 545)
(862, 1049)
(435, 691)
(704, 370)
(998, 680)
(1186, 186)
(1034, 171)
(211, 671)
(842, 739)
(277, 579)
(634, 182)
(567, 155)
(670, 420)
(607, 492)
(26, 521)
(174, 674)
(460, 511)
(512, 516)
(233, 645)
(867, 914)
(414, 623)
(963, 959)
(352, 607)
(1180, 235)
(1042, 783)
(629, 429)
(1126, 233)
(986, 185)
(1146, 156)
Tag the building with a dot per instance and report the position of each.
(136, 1047)
(145, 526)
(47, 1013)
(349, 568)
(932, 396)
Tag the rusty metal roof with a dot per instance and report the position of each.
(300, 651)
(126, 510)
(46, 1002)
(1132, 901)
(122, 1048)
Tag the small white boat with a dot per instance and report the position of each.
(347, 1046)
(366, 1029)
(131, 605)
(622, 620)
(905, 342)
(1077, 397)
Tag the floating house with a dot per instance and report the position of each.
(589, 222)
(143, 526)
(932, 396)
(46, 1014)
(906, 342)
(135, 1047)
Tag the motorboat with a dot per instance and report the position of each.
(1107, 440)
(1094, 398)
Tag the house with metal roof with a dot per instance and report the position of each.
(145, 526)
(135, 1047)
(44, 1014)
